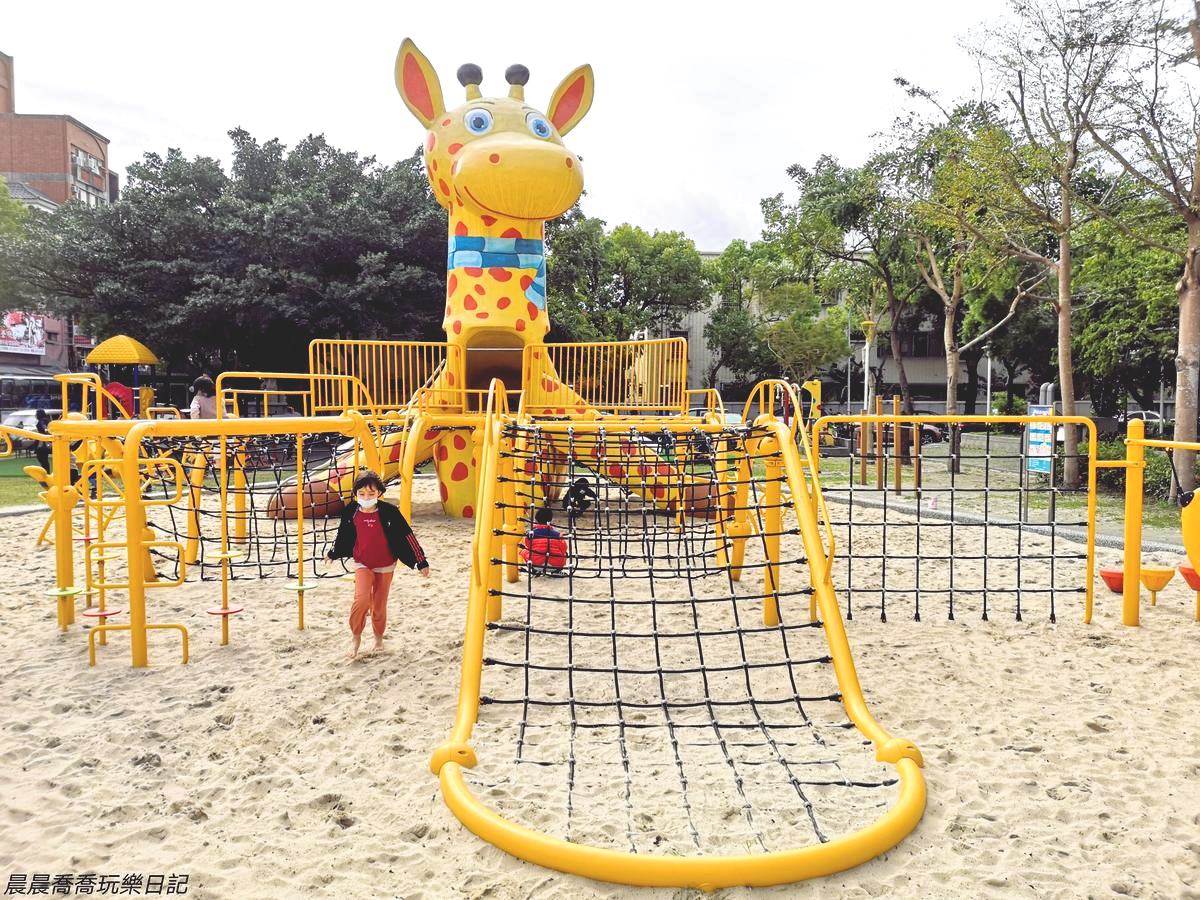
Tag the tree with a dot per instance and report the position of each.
(1125, 336)
(608, 286)
(1053, 64)
(855, 216)
(734, 333)
(1152, 133)
(242, 269)
(803, 335)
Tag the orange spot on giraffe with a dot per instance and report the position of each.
(430, 142)
(526, 281)
(473, 272)
(616, 471)
(503, 302)
(442, 453)
(469, 302)
(460, 229)
(468, 512)
(452, 284)
(533, 312)
(445, 493)
(450, 379)
(460, 442)
(488, 220)
(456, 327)
(453, 148)
(443, 187)
(500, 274)
(481, 315)
(511, 232)
(479, 289)
(520, 326)
(459, 472)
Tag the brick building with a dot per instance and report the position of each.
(47, 160)
(57, 155)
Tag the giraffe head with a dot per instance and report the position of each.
(497, 157)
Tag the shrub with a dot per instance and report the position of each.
(1157, 474)
(1002, 406)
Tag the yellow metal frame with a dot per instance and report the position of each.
(615, 377)
(391, 371)
(703, 872)
(355, 393)
(1093, 464)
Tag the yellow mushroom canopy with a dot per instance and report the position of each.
(121, 350)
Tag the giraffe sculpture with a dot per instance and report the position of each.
(500, 169)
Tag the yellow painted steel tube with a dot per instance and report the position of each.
(703, 872)
(1135, 466)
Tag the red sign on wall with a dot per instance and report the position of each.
(21, 332)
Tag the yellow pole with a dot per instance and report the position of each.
(63, 497)
(300, 498)
(879, 445)
(241, 490)
(1135, 464)
(135, 525)
(223, 462)
(897, 441)
(772, 525)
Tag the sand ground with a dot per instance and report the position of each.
(1062, 760)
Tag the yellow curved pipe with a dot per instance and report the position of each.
(703, 872)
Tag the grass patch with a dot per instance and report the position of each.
(17, 488)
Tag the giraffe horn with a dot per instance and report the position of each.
(470, 76)
(517, 76)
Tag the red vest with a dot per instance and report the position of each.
(542, 551)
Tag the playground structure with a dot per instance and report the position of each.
(693, 646)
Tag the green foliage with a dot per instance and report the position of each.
(734, 332)
(1003, 405)
(1157, 474)
(13, 214)
(803, 335)
(1126, 331)
(242, 269)
(609, 285)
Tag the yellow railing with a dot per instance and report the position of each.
(613, 377)
(391, 371)
(351, 391)
(704, 872)
(92, 390)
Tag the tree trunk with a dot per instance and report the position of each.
(972, 359)
(1066, 367)
(952, 367)
(1187, 359)
(897, 354)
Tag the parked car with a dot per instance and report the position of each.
(26, 419)
(1155, 424)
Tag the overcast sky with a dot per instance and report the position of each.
(697, 113)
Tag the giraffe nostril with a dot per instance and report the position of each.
(495, 157)
(570, 163)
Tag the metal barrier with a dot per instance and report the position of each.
(350, 392)
(617, 377)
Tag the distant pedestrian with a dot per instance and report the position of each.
(204, 399)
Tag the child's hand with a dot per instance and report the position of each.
(424, 572)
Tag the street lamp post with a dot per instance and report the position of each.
(987, 350)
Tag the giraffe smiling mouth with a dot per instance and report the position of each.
(499, 212)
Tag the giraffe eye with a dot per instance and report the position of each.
(478, 121)
(538, 125)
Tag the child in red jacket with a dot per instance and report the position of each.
(544, 545)
(374, 535)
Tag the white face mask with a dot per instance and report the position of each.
(363, 503)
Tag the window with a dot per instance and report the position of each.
(51, 337)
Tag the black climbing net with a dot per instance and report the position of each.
(1000, 533)
(644, 704)
(259, 472)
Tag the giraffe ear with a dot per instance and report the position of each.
(418, 84)
(572, 99)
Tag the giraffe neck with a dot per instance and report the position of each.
(495, 277)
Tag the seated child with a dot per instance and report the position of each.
(578, 498)
(374, 535)
(544, 545)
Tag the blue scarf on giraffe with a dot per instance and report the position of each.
(470, 252)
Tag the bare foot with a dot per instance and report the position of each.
(378, 646)
(354, 643)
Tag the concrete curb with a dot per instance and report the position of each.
(22, 510)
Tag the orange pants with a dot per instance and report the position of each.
(370, 593)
